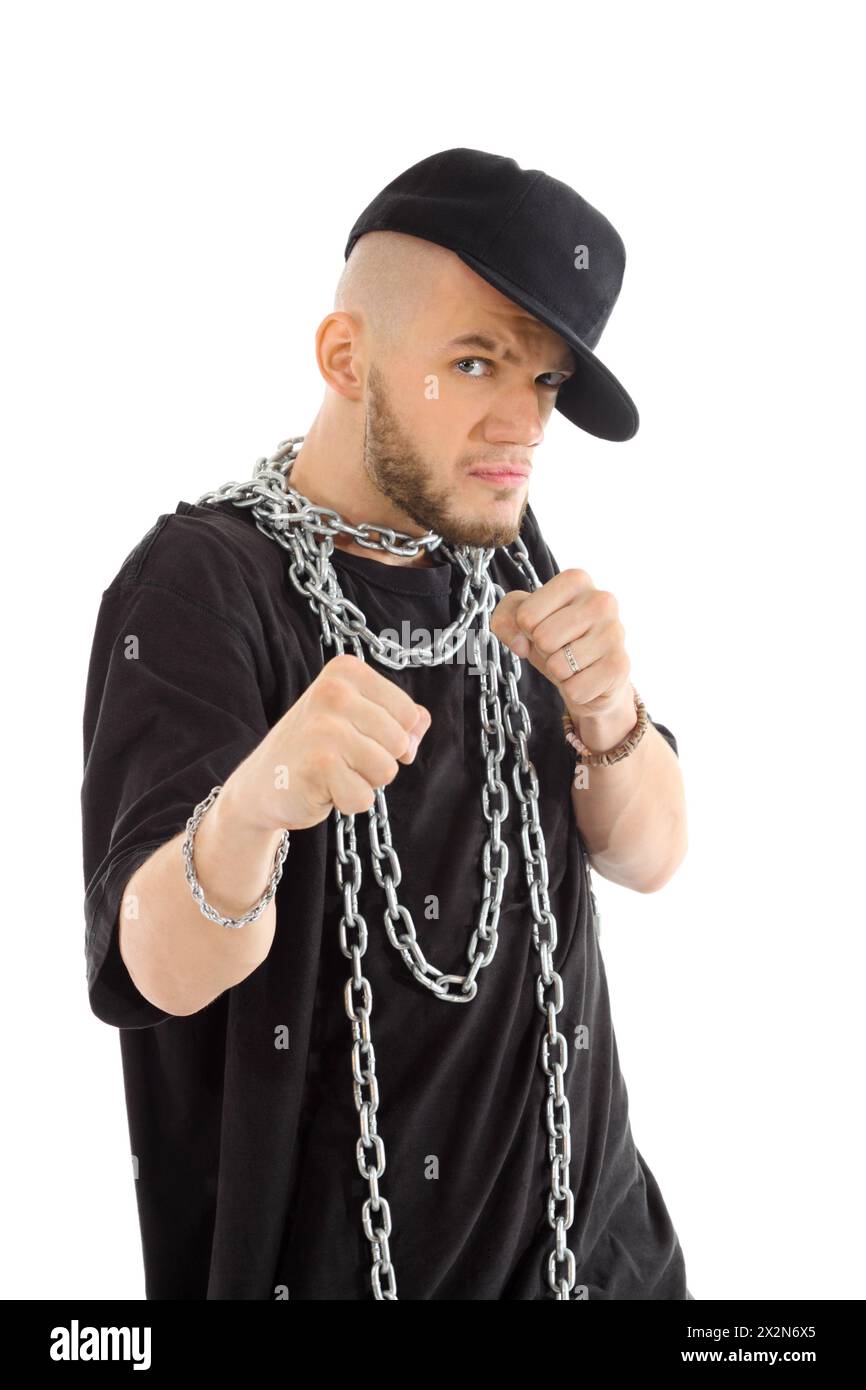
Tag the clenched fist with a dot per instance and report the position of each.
(569, 610)
(345, 736)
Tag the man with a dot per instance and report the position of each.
(260, 1158)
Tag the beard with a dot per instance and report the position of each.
(404, 476)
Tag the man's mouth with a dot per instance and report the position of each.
(502, 477)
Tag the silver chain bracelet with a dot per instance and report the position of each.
(197, 890)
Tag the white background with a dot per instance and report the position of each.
(179, 184)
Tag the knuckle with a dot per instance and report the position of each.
(334, 692)
(327, 683)
(389, 768)
(345, 668)
(397, 742)
(605, 601)
(407, 714)
(340, 697)
(321, 757)
(363, 801)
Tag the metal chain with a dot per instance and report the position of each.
(307, 531)
(255, 912)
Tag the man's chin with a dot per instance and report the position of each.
(497, 525)
(482, 535)
(485, 526)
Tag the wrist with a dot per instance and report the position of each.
(232, 819)
(227, 860)
(602, 732)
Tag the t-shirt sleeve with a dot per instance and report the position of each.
(545, 566)
(172, 706)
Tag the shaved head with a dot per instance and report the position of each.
(387, 283)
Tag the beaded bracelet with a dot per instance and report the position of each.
(613, 755)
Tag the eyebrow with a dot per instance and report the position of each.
(481, 340)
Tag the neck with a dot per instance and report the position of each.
(320, 473)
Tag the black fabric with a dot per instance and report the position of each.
(247, 1179)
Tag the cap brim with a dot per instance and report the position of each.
(592, 398)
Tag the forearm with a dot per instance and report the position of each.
(177, 958)
(632, 814)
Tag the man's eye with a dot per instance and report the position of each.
(472, 359)
(485, 361)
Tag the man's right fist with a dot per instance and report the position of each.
(345, 736)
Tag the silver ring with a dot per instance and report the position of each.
(569, 656)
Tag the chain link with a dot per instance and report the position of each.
(307, 532)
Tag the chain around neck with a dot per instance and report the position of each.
(324, 521)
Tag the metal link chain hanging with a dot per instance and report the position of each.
(307, 532)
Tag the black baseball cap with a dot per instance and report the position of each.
(537, 241)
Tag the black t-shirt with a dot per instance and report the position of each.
(242, 1116)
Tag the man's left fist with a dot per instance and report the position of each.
(568, 609)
